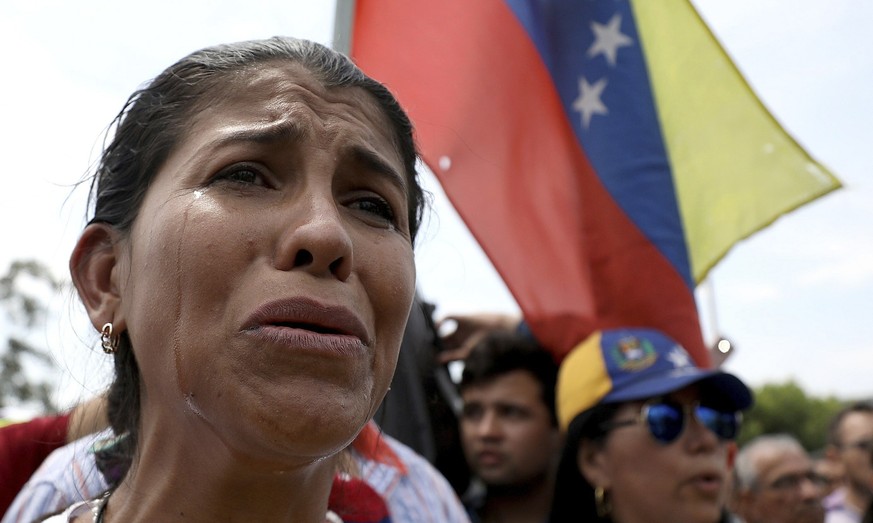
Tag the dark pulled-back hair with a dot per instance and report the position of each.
(155, 120)
(502, 352)
(573, 500)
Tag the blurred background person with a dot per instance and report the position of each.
(509, 428)
(649, 434)
(830, 473)
(774, 482)
(850, 442)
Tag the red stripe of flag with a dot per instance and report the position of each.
(480, 96)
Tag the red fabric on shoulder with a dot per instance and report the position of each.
(23, 447)
(370, 444)
(355, 501)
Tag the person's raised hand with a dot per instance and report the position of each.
(464, 331)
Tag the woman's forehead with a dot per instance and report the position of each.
(285, 98)
(688, 394)
(283, 79)
(281, 90)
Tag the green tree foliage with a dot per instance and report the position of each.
(788, 409)
(23, 306)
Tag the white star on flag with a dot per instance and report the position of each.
(679, 358)
(608, 38)
(589, 102)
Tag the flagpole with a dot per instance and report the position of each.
(344, 20)
(706, 297)
(719, 347)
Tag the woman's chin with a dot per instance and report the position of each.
(310, 431)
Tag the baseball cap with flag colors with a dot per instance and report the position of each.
(614, 366)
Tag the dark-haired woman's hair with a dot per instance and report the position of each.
(574, 496)
(155, 120)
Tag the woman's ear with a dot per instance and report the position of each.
(592, 462)
(94, 267)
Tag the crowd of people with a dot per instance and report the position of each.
(248, 267)
(626, 429)
(684, 465)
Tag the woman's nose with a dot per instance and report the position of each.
(316, 241)
(700, 437)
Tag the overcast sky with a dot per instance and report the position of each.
(797, 298)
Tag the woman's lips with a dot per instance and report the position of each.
(709, 484)
(304, 323)
(308, 340)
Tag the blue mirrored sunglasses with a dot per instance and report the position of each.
(666, 421)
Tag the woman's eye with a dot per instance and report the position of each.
(240, 174)
(376, 206)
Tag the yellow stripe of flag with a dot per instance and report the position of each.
(735, 168)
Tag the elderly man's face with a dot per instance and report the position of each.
(786, 491)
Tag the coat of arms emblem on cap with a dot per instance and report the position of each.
(631, 353)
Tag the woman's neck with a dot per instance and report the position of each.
(173, 479)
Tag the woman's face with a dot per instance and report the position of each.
(683, 481)
(268, 276)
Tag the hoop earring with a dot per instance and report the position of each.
(107, 340)
(603, 506)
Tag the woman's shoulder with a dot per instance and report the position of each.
(414, 489)
(71, 513)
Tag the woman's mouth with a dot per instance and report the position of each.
(302, 323)
(307, 314)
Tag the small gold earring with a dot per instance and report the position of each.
(107, 340)
(601, 502)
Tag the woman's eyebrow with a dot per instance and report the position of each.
(292, 131)
(374, 162)
(262, 134)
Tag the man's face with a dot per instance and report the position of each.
(786, 491)
(855, 448)
(507, 431)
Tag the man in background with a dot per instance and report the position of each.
(850, 441)
(774, 482)
(509, 429)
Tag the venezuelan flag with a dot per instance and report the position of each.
(604, 153)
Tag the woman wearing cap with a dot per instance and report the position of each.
(648, 432)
